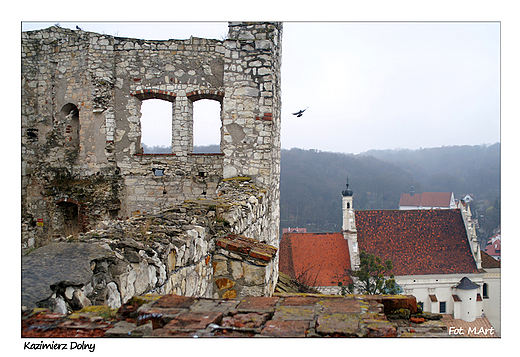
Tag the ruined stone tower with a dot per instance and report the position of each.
(82, 92)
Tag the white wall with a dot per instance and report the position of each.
(442, 286)
(491, 304)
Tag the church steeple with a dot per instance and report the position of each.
(347, 191)
(349, 223)
(349, 226)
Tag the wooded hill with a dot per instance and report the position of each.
(312, 181)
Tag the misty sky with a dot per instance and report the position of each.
(367, 85)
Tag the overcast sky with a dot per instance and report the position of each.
(370, 85)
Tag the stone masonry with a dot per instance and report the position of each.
(197, 248)
(282, 315)
(82, 161)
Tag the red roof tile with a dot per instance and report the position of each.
(410, 200)
(315, 259)
(426, 199)
(247, 246)
(488, 262)
(418, 242)
(493, 248)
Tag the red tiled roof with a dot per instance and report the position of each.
(294, 230)
(456, 298)
(410, 200)
(315, 259)
(418, 242)
(493, 249)
(489, 262)
(426, 199)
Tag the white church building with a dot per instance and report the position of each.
(435, 255)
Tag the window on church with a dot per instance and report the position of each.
(485, 291)
(442, 307)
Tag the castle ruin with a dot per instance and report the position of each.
(82, 160)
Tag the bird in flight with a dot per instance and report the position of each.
(300, 113)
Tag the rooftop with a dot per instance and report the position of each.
(418, 242)
(316, 259)
(426, 199)
(488, 262)
(466, 284)
(493, 248)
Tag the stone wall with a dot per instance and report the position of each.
(81, 111)
(190, 249)
(243, 267)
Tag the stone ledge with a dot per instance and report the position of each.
(284, 315)
(247, 246)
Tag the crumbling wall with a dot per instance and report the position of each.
(81, 100)
(180, 250)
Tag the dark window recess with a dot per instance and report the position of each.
(112, 213)
(158, 172)
(32, 134)
(442, 307)
(485, 291)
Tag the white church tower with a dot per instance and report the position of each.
(467, 306)
(349, 227)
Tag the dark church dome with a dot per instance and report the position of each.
(347, 192)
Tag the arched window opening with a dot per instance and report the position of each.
(206, 126)
(156, 126)
(69, 122)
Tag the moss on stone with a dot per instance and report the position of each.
(238, 178)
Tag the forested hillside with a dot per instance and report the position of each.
(312, 181)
